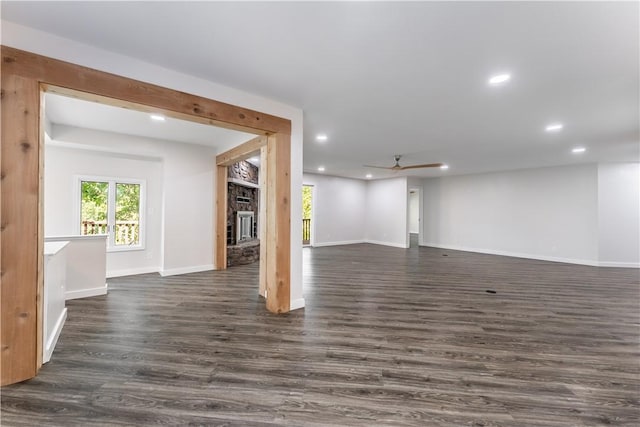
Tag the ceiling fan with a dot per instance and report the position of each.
(397, 166)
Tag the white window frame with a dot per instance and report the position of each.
(111, 211)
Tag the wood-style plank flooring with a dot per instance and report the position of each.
(388, 337)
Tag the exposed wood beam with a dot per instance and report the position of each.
(278, 240)
(20, 235)
(241, 152)
(24, 76)
(224, 160)
(262, 219)
(40, 292)
(105, 86)
(221, 218)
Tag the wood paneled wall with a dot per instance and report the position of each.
(25, 76)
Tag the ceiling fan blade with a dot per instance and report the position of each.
(377, 167)
(429, 165)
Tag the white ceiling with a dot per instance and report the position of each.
(381, 78)
(74, 112)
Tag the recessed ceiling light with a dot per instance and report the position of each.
(444, 167)
(499, 79)
(578, 150)
(369, 175)
(554, 127)
(321, 169)
(157, 117)
(321, 137)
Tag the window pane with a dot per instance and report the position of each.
(93, 216)
(127, 214)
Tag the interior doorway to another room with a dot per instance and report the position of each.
(414, 217)
(26, 77)
(125, 173)
(243, 212)
(307, 215)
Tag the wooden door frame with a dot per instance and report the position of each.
(25, 77)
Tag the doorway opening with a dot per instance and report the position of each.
(307, 214)
(121, 172)
(109, 198)
(25, 78)
(243, 212)
(414, 208)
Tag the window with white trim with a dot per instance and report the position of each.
(112, 206)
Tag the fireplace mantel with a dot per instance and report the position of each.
(243, 183)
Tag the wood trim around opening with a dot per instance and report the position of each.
(221, 195)
(100, 86)
(223, 161)
(278, 239)
(24, 75)
(241, 152)
(20, 235)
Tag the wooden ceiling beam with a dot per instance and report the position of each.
(100, 86)
(241, 152)
(25, 76)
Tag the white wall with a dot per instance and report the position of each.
(188, 214)
(619, 214)
(386, 220)
(54, 310)
(339, 209)
(62, 165)
(42, 43)
(86, 265)
(586, 214)
(180, 197)
(414, 211)
(546, 213)
(355, 211)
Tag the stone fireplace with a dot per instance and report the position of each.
(243, 245)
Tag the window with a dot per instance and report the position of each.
(114, 207)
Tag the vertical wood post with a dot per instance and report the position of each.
(278, 240)
(20, 225)
(262, 220)
(221, 218)
(21, 203)
(40, 297)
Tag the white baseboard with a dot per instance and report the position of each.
(131, 271)
(84, 293)
(296, 304)
(395, 245)
(53, 339)
(338, 243)
(619, 264)
(515, 254)
(186, 270)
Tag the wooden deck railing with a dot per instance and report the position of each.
(306, 231)
(126, 232)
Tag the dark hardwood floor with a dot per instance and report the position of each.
(388, 337)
